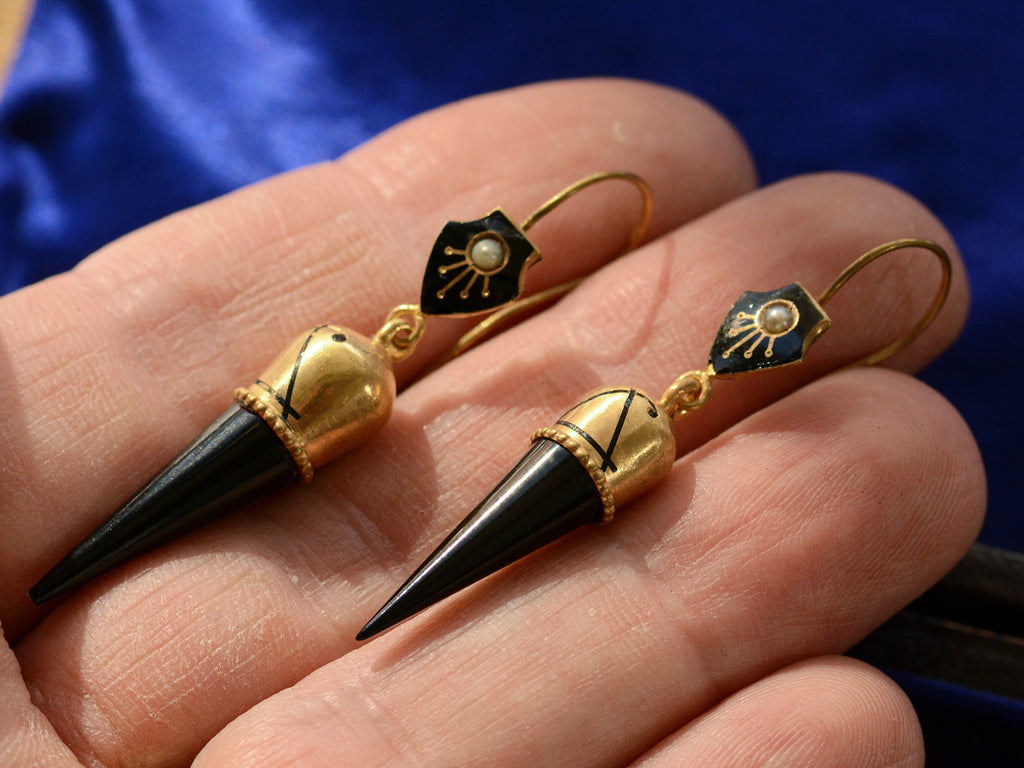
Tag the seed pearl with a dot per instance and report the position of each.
(487, 254)
(777, 318)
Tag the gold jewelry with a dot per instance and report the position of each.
(328, 391)
(617, 442)
(323, 396)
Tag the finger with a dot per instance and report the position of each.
(26, 739)
(789, 536)
(828, 711)
(117, 365)
(301, 577)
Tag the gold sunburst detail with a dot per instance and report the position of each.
(773, 320)
(484, 255)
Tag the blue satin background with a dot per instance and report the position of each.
(119, 112)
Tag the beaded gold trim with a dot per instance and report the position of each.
(291, 443)
(584, 458)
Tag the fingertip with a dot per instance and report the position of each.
(825, 711)
(925, 453)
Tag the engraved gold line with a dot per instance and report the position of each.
(743, 341)
(443, 291)
(464, 293)
(443, 270)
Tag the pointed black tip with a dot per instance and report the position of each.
(53, 584)
(397, 609)
(236, 458)
(545, 496)
(370, 630)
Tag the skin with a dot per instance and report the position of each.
(702, 627)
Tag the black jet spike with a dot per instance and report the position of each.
(617, 443)
(547, 494)
(236, 459)
(327, 392)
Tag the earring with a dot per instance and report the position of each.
(327, 392)
(617, 442)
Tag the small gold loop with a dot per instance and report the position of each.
(689, 392)
(401, 332)
(579, 186)
(933, 310)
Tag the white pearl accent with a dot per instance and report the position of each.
(777, 318)
(487, 254)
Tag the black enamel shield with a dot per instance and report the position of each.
(767, 330)
(476, 266)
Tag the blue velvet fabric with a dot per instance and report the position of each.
(120, 111)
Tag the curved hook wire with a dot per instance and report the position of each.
(692, 389)
(485, 326)
(579, 186)
(933, 310)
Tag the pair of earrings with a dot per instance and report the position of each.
(332, 388)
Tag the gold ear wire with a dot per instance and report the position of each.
(933, 309)
(776, 328)
(579, 186)
(489, 323)
(617, 442)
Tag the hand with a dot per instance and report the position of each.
(700, 628)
